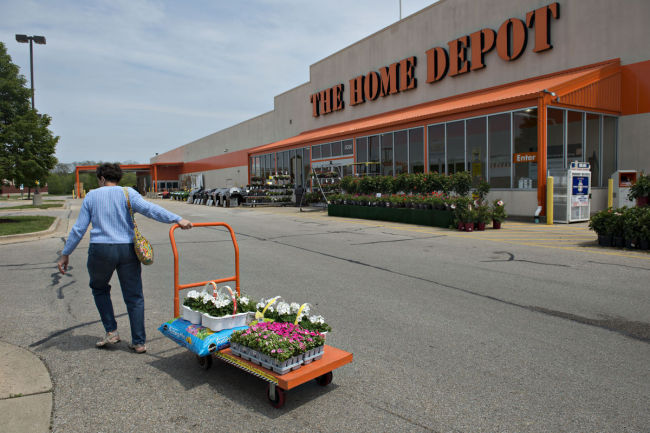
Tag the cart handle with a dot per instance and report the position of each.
(178, 287)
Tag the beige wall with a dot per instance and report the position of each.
(634, 142)
(227, 177)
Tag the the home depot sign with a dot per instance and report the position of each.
(461, 56)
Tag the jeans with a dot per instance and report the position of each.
(103, 259)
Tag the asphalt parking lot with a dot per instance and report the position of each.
(531, 328)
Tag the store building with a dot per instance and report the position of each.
(506, 89)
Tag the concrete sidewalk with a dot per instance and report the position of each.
(26, 396)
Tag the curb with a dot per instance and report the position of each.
(27, 396)
(57, 226)
(54, 228)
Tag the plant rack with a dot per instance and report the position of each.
(319, 370)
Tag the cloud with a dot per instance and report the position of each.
(135, 77)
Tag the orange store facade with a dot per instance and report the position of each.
(507, 91)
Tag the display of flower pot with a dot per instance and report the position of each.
(481, 226)
(619, 241)
(469, 227)
(217, 324)
(496, 224)
(644, 244)
(605, 240)
(194, 317)
(630, 243)
(461, 226)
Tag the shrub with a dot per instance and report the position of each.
(602, 222)
(641, 188)
(461, 183)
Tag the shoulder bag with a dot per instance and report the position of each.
(142, 247)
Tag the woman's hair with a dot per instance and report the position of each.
(110, 172)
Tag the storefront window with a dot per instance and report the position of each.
(315, 151)
(416, 150)
(336, 149)
(609, 146)
(348, 148)
(362, 154)
(476, 149)
(455, 147)
(325, 150)
(400, 149)
(307, 165)
(574, 136)
(436, 138)
(291, 162)
(592, 147)
(373, 154)
(524, 132)
(387, 154)
(500, 155)
(554, 139)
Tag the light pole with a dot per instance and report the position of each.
(31, 39)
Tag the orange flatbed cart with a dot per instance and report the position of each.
(319, 370)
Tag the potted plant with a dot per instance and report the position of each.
(470, 217)
(640, 191)
(618, 227)
(644, 234)
(193, 307)
(602, 223)
(498, 214)
(632, 227)
(483, 216)
(482, 190)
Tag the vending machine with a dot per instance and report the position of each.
(623, 180)
(572, 193)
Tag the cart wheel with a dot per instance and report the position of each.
(280, 396)
(325, 379)
(205, 361)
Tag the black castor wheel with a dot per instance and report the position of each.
(276, 396)
(205, 362)
(325, 379)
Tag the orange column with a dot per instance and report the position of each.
(76, 172)
(541, 153)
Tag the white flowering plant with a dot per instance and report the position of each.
(285, 312)
(194, 300)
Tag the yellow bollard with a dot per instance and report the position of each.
(549, 200)
(610, 192)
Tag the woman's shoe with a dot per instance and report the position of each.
(138, 348)
(109, 338)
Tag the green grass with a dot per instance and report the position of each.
(31, 206)
(14, 225)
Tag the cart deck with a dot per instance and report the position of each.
(332, 359)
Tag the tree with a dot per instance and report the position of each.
(27, 146)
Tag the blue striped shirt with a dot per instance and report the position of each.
(106, 209)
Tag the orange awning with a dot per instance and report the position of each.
(595, 87)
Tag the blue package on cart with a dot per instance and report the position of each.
(197, 338)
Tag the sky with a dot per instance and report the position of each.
(126, 79)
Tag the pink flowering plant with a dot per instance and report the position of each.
(280, 341)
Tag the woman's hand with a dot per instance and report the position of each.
(185, 224)
(62, 263)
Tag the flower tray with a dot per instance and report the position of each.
(217, 324)
(280, 367)
(313, 354)
(194, 317)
